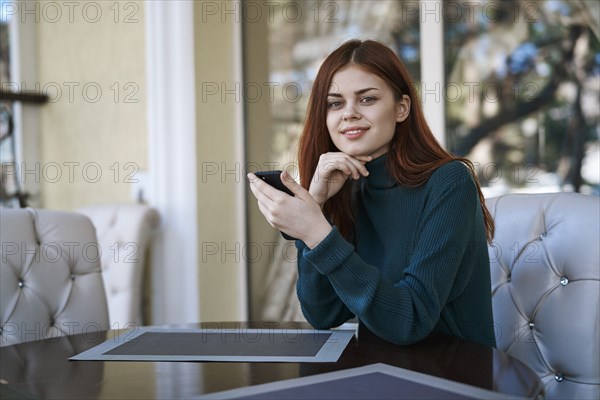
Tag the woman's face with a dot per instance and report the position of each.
(362, 112)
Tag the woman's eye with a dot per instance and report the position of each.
(368, 99)
(334, 104)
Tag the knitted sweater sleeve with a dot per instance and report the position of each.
(335, 283)
(320, 304)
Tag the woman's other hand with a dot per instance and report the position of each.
(333, 170)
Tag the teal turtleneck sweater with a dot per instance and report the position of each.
(419, 263)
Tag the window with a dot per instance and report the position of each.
(283, 49)
(300, 34)
(8, 183)
(18, 115)
(522, 92)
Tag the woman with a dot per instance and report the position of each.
(391, 227)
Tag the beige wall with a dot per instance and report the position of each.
(221, 182)
(259, 133)
(104, 133)
(112, 134)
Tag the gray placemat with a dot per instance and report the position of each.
(235, 345)
(375, 381)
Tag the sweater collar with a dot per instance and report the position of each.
(379, 175)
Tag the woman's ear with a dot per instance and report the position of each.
(402, 108)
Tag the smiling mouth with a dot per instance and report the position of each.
(354, 133)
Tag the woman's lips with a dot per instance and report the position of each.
(354, 133)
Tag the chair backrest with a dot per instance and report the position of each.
(124, 232)
(50, 276)
(545, 269)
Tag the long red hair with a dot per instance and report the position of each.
(414, 152)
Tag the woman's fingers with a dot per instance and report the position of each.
(359, 164)
(282, 211)
(261, 190)
(269, 197)
(291, 184)
(348, 165)
(333, 170)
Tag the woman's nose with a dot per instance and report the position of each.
(350, 113)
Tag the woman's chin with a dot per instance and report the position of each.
(372, 154)
(354, 152)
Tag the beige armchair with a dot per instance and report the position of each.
(124, 233)
(545, 267)
(50, 276)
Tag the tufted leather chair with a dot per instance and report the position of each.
(545, 268)
(124, 232)
(50, 278)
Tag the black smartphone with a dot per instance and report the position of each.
(273, 178)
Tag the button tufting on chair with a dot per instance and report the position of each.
(37, 298)
(124, 233)
(547, 247)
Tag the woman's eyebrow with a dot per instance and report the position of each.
(357, 92)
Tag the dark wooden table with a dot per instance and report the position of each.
(41, 369)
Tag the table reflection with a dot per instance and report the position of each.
(42, 368)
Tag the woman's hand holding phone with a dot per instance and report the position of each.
(273, 178)
(299, 216)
